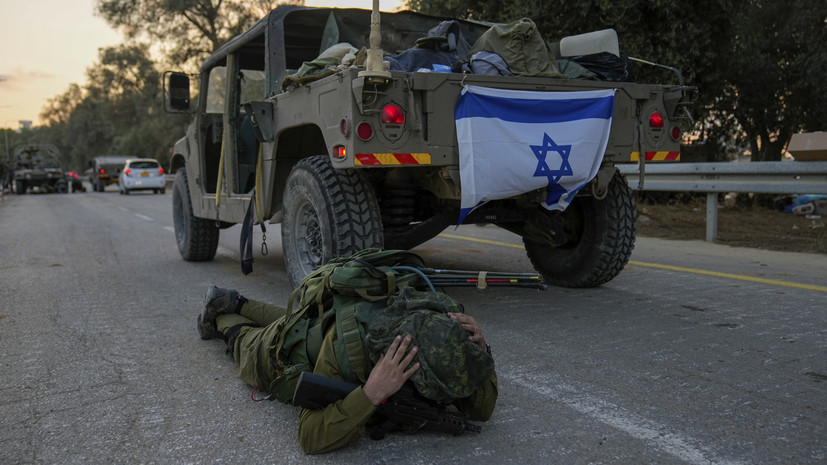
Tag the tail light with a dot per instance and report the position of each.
(364, 131)
(103, 171)
(392, 114)
(676, 133)
(127, 172)
(656, 120)
(160, 171)
(340, 152)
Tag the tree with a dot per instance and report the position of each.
(118, 111)
(186, 29)
(777, 65)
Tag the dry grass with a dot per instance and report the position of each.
(754, 227)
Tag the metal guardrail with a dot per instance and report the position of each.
(787, 177)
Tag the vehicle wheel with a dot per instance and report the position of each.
(601, 236)
(197, 237)
(125, 191)
(163, 190)
(62, 188)
(327, 213)
(19, 187)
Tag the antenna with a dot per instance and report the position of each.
(376, 70)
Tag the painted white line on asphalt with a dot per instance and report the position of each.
(144, 217)
(123, 208)
(651, 432)
(169, 228)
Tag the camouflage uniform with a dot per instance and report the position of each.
(344, 421)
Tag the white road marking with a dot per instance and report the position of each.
(169, 228)
(123, 208)
(658, 435)
(144, 217)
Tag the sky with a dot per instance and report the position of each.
(45, 45)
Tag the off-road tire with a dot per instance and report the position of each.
(328, 213)
(197, 237)
(599, 244)
(19, 187)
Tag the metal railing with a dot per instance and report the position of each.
(788, 177)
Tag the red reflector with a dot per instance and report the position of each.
(364, 131)
(344, 127)
(656, 120)
(392, 114)
(676, 133)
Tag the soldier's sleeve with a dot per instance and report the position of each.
(341, 422)
(480, 405)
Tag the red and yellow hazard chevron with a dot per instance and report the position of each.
(393, 159)
(658, 156)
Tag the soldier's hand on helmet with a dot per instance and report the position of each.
(470, 325)
(392, 370)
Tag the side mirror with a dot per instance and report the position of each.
(177, 90)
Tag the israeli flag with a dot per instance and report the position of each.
(512, 142)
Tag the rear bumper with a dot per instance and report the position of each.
(139, 183)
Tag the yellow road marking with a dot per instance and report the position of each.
(731, 276)
(810, 287)
(484, 241)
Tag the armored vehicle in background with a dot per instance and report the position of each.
(105, 170)
(362, 155)
(37, 167)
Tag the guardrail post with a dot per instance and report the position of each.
(711, 216)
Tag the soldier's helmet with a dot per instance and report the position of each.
(452, 367)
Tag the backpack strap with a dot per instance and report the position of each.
(348, 331)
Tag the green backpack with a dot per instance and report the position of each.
(350, 293)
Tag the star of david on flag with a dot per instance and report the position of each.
(513, 142)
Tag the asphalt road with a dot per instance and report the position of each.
(695, 353)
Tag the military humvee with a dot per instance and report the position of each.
(37, 166)
(366, 157)
(105, 170)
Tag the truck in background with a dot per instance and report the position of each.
(105, 170)
(37, 167)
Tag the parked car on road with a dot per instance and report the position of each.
(142, 174)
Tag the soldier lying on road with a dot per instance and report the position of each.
(442, 354)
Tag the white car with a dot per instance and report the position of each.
(142, 174)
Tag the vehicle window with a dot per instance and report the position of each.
(252, 85)
(216, 92)
(143, 165)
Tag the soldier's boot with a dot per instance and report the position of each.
(217, 301)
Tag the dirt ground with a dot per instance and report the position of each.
(755, 227)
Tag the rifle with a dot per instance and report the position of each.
(404, 411)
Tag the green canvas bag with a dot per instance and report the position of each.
(370, 297)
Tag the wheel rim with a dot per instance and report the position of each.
(309, 240)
